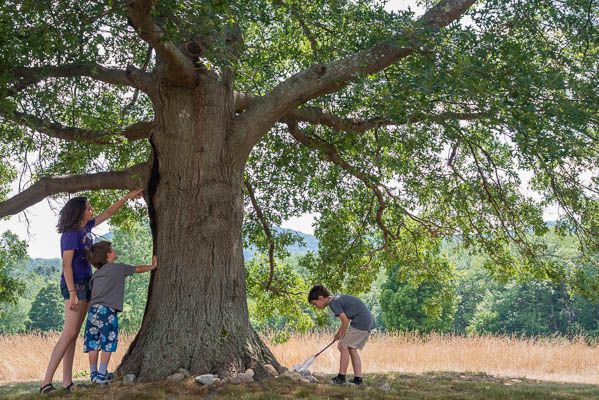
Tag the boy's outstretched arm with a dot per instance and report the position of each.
(146, 268)
(343, 328)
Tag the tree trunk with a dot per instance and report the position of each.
(196, 317)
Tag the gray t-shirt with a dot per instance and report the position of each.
(108, 285)
(355, 309)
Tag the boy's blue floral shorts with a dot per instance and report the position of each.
(101, 329)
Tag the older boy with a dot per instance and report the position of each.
(108, 293)
(351, 336)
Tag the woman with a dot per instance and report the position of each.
(75, 223)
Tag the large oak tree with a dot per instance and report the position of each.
(396, 129)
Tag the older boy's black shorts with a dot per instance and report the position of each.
(84, 292)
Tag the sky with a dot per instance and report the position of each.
(38, 227)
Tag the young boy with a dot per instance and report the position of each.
(347, 308)
(108, 293)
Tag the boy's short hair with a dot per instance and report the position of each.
(317, 291)
(97, 254)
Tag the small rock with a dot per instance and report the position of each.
(320, 376)
(295, 376)
(245, 378)
(206, 379)
(129, 379)
(386, 387)
(270, 370)
(305, 380)
(350, 384)
(176, 377)
(249, 372)
(185, 372)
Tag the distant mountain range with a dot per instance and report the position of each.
(311, 244)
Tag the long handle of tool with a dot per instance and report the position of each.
(329, 345)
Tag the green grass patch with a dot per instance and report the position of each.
(430, 386)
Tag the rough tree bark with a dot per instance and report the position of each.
(196, 317)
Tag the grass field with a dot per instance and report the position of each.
(417, 367)
(430, 386)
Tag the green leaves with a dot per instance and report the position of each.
(12, 251)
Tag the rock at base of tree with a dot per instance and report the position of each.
(185, 372)
(386, 387)
(294, 375)
(270, 370)
(206, 379)
(320, 376)
(240, 379)
(176, 377)
(129, 379)
(249, 372)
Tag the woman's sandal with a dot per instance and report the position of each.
(69, 388)
(47, 388)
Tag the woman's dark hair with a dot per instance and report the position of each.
(97, 254)
(316, 291)
(69, 218)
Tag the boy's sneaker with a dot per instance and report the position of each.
(109, 376)
(92, 376)
(356, 381)
(338, 380)
(100, 379)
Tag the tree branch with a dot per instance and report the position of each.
(321, 79)
(32, 75)
(317, 116)
(137, 131)
(333, 155)
(180, 68)
(267, 232)
(131, 178)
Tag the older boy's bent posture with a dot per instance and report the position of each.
(356, 324)
(108, 292)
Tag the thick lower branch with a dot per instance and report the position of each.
(131, 178)
(180, 69)
(137, 131)
(32, 75)
(322, 79)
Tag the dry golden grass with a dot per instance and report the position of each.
(24, 357)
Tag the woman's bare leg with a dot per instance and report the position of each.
(67, 341)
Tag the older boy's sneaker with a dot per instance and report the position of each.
(100, 379)
(356, 381)
(338, 380)
(92, 376)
